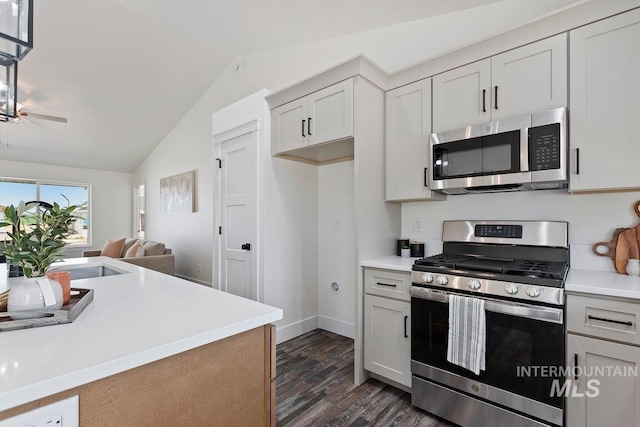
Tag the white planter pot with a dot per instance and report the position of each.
(28, 295)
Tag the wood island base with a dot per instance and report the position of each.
(228, 382)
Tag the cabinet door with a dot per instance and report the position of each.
(614, 400)
(408, 125)
(288, 126)
(605, 106)
(529, 79)
(331, 113)
(387, 345)
(461, 97)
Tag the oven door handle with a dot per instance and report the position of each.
(546, 314)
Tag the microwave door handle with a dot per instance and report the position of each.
(524, 150)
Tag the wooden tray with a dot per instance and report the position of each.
(66, 314)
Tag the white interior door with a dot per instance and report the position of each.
(238, 215)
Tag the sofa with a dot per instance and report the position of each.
(149, 254)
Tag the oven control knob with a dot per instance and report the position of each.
(474, 284)
(533, 291)
(443, 280)
(511, 289)
(427, 278)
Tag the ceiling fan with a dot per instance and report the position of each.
(28, 115)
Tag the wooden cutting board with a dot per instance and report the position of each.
(624, 245)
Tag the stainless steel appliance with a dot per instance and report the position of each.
(521, 153)
(518, 268)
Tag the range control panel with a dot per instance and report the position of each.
(498, 230)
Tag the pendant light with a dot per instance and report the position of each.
(8, 88)
(16, 28)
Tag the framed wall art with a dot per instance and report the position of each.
(177, 193)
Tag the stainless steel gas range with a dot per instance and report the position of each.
(518, 268)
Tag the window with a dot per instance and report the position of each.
(12, 191)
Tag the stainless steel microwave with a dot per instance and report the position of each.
(520, 153)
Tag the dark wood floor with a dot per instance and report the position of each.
(315, 388)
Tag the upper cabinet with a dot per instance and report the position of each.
(460, 96)
(605, 104)
(524, 80)
(322, 116)
(408, 125)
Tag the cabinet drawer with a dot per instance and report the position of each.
(385, 283)
(603, 318)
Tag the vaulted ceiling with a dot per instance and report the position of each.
(124, 72)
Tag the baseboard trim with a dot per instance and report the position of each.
(191, 279)
(337, 326)
(287, 332)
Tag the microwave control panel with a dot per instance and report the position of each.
(544, 147)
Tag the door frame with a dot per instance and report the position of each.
(251, 127)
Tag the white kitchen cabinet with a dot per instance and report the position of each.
(461, 98)
(387, 324)
(525, 80)
(287, 125)
(322, 116)
(387, 344)
(605, 106)
(602, 341)
(408, 125)
(615, 399)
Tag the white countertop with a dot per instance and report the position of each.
(135, 318)
(603, 283)
(391, 263)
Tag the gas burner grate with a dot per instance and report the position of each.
(543, 269)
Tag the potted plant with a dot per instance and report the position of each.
(36, 241)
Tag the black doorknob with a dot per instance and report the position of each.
(246, 247)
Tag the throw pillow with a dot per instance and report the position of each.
(153, 248)
(113, 248)
(135, 251)
(127, 245)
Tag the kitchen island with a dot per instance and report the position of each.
(150, 349)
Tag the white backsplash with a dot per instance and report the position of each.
(592, 217)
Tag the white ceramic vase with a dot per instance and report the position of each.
(27, 295)
(633, 267)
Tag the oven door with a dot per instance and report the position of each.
(524, 350)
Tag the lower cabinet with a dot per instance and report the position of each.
(603, 357)
(607, 392)
(387, 344)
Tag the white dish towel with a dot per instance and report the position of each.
(467, 333)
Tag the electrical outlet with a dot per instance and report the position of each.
(199, 268)
(63, 413)
(417, 224)
(336, 224)
(54, 421)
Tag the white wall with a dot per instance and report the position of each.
(592, 217)
(291, 245)
(336, 247)
(111, 196)
(189, 146)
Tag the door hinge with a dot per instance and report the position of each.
(219, 162)
(219, 230)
